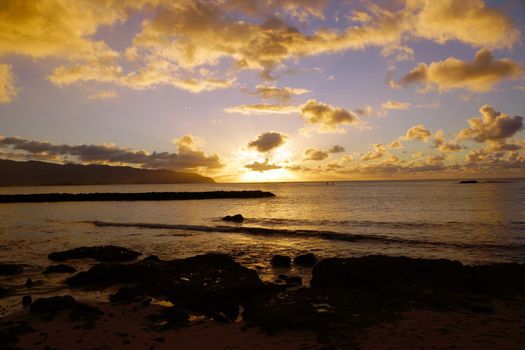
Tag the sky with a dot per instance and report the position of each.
(267, 90)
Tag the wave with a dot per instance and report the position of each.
(312, 234)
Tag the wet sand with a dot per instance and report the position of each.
(128, 326)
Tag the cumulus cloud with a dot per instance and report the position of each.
(8, 90)
(378, 152)
(418, 132)
(262, 166)
(203, 45)
(491, 126)
(315, 154)
(268, 141)
(186, 158)
(468, 21)
(262, 108)
(326, 117)
(441, 143)
(336, 149)
(478, 75)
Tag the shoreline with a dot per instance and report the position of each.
(372, 302)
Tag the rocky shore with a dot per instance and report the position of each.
(349, 303)
(146, 196)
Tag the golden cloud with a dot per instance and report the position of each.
(478, 75)
(468, 21)
(282, 95)
(8, 89)
(202, 45)
(326, 117)
(441, 143)
(491, 126)
(262, 108)
(393, 105)
(418, 132)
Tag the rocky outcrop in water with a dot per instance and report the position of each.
(11, 269)
(233, 218)
(281, 261)
(305, 260)
(146, 196)
(99, 253)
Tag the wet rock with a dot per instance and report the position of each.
(100, 253)
(469, 182)
(11, 269)
(281, 261)
(53, 304)
(27, 300)
(305, 260)
(29, 283)
(203, 283)
(414, 276)
(127, 295)
(234, 218)
(4, 292)
(294, 281)
(60, 268)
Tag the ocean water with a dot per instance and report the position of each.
(472, 223)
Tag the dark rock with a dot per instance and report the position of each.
(11, 269)
(234, 218)
(204, 283)
(27, 300)
(60, 268)
(468, 182)
(305, 260)
(127, 295)
(99, 253)
(53, 304)
(29, 283)
(281, 261)
(282, 277)
(294, 281)
(4, 292)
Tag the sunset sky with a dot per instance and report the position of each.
(267, 90)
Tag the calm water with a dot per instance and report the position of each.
(476, 223)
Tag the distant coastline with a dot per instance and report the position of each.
(36, 173)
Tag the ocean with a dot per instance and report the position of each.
(472, 223)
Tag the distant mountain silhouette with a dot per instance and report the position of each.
(34, 173)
